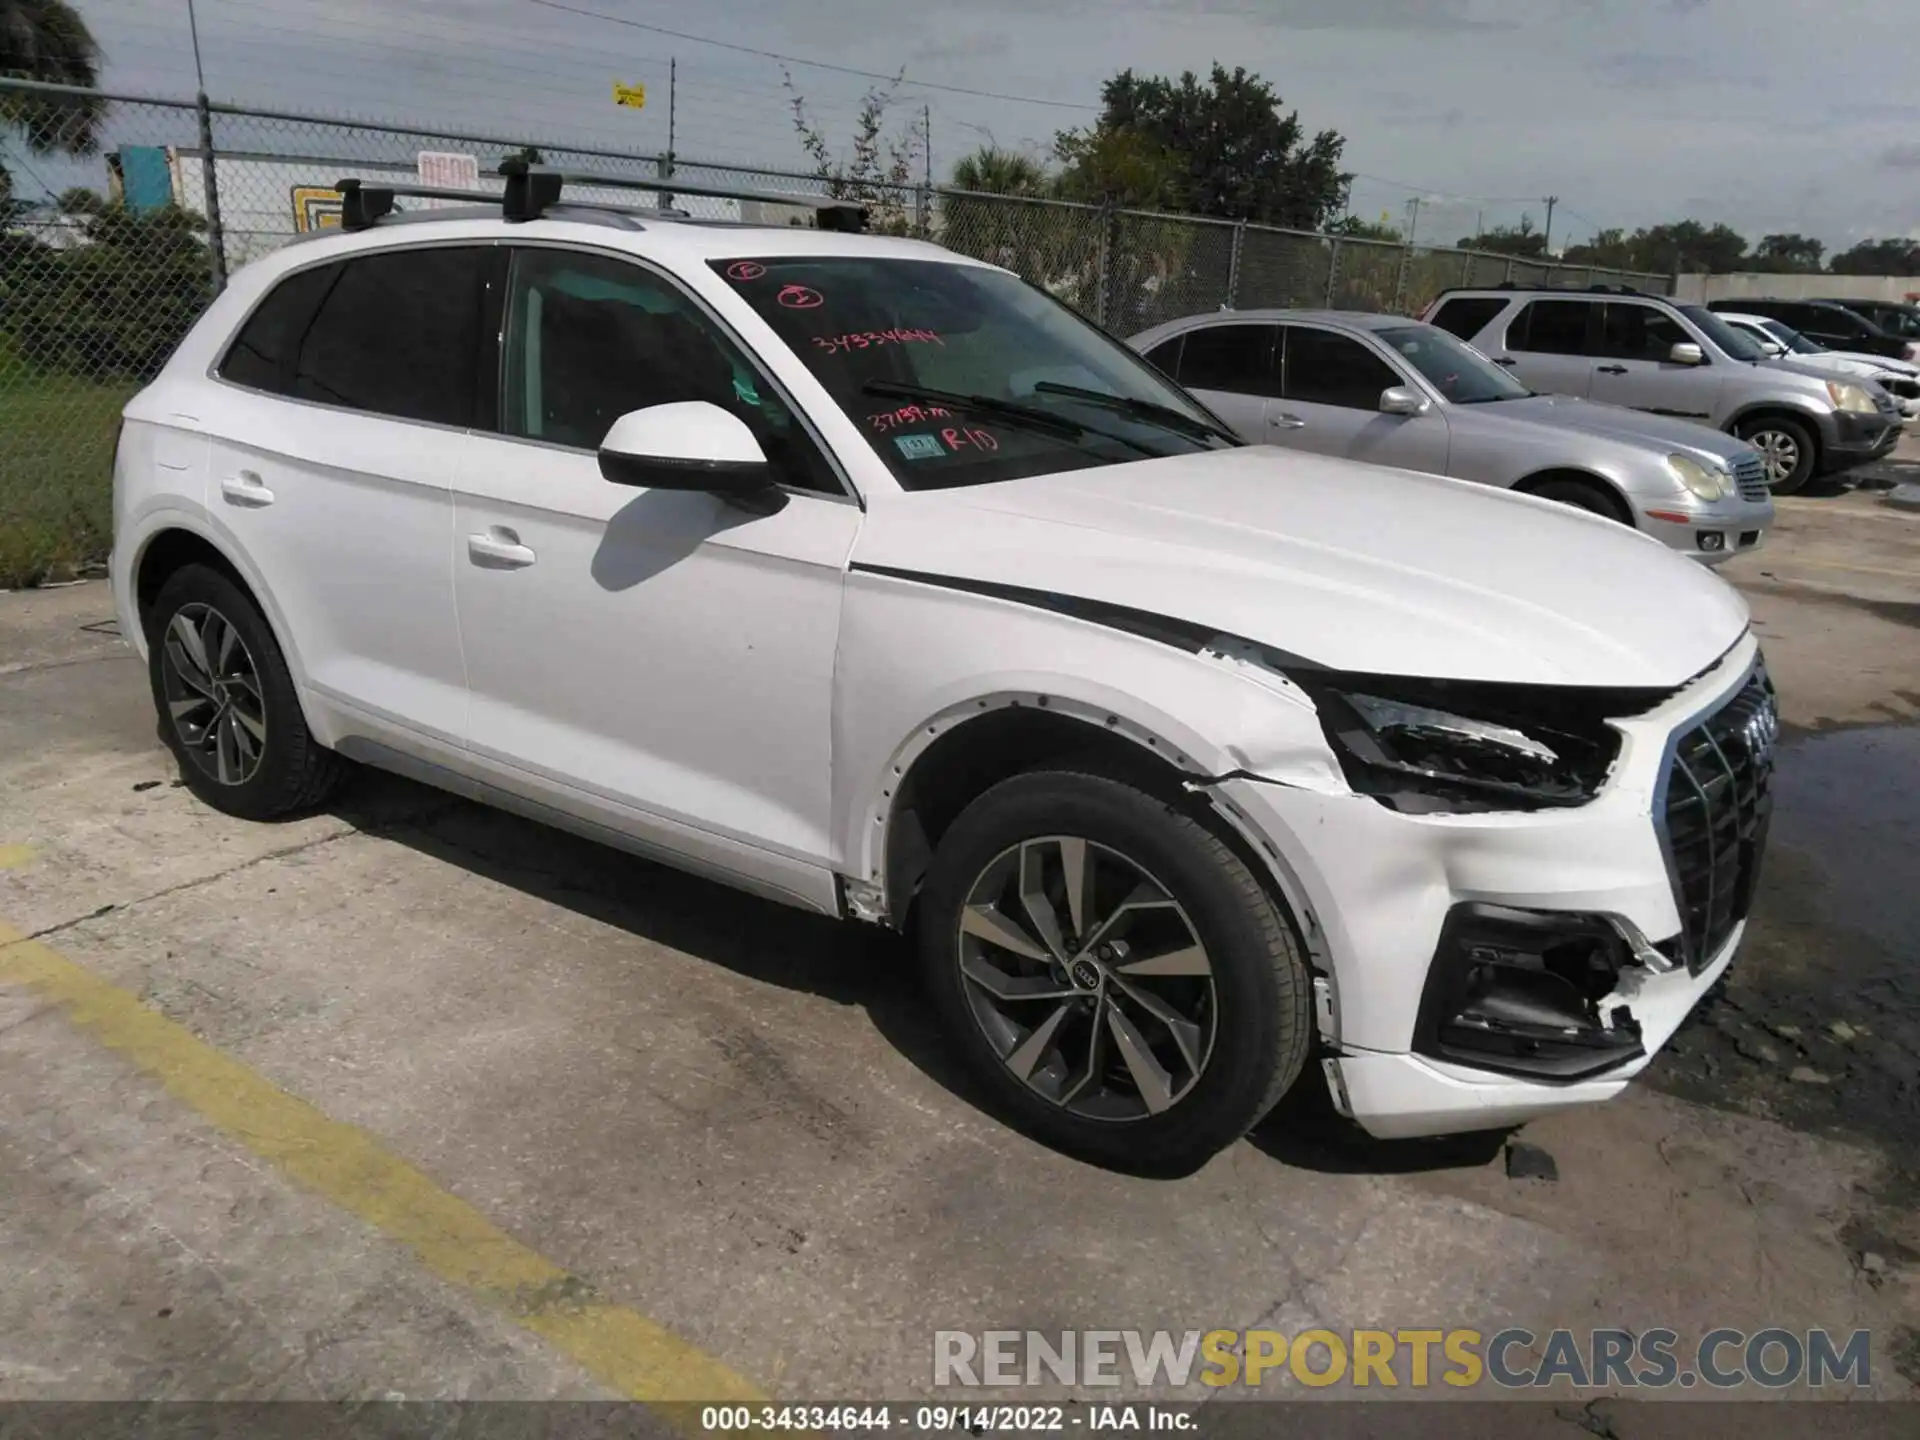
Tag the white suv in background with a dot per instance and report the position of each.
(870, 579)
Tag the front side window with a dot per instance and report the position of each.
(1638, 332)
(1551, 327)
(963, 375)
(398, 334)
(1796, 343)
(590, 337)
(1323, 368)
(1459, 372)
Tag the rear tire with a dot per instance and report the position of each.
(1169, 929)
(1787, 449)
(227, 704)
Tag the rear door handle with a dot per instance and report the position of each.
(1610, 369)
(1287, 422)
(1506, 360)
(246, 488)
(499, 549)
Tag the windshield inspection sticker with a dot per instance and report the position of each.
(920, 447)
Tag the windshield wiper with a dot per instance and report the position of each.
(1151, 411)
(1030, 416)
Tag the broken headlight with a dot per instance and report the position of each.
(1452, 746)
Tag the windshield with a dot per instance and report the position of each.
(1739, 346)
(1795, 342)
(1458, 371)
(1003, 357)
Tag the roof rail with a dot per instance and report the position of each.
(532, 190)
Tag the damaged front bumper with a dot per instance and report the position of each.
(1399, 1096)
(1478, 970)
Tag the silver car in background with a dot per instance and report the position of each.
(1397, 392)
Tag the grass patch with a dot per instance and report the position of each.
(56, 463)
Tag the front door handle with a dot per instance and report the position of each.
(1506, 360)
(1610, 369)
(1287, 422)
(499, 549)
(246, 488)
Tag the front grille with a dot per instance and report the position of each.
(1718, 799)
(1750, 474)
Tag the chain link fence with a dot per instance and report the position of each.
(108, 267)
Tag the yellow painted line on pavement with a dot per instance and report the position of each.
(629, 1353)
(12, 857)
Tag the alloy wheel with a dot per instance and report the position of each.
(213, 694)
(1087, 978)
(1780, 453)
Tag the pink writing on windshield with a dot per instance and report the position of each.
(970, 436)
(799, 297)
(866, 339)
(746, 270)
(887, 420)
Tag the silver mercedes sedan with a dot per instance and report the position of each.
(1396, 392)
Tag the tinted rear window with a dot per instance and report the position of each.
(1465, 316)
(398, 335)
(1237, 359)
(1551, 327)
(263, 354)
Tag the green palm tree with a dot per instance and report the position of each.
(993, 171)
(46, 40)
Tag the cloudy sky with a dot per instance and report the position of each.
(1772, 115)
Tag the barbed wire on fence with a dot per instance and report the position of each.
(101, 279)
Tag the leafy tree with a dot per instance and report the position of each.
(879, 172)
(46, 40)
(114, 307)
(1878, 257)
(1520, 240)
(1220, 148)
(991, 170)
(1786, 254)
(532, 154)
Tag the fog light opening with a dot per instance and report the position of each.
(1712, 541)
(1521, 992)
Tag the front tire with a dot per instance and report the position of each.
(227, 704)
(1583, 495)
(1112, 971)
(1787, 450)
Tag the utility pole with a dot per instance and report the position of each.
(1413, 218)
(209, 178)
(1546, 239)
(673, 97)
(1478, 228)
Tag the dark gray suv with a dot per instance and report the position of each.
(1621, 347)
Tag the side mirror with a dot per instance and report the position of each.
(688, 445)
(1686, 353)
(1401, 400)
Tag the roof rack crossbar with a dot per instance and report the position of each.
(547, 185)
(361, 204)
(533, 190)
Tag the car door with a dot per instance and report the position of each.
(1329, 403)
(1230, 368)
(350, 388)
(1634, 367)
(660, 661)
(1547, 345)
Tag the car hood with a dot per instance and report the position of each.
(1660, 433)
(1349, 566)
(1867, 364)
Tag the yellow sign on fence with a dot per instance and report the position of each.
(632, 96)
